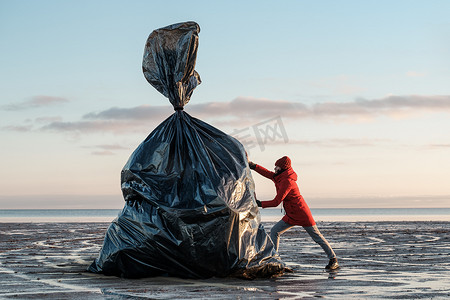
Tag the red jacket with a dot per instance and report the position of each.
(297, 211)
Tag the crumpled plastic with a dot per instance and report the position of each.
(190, 206)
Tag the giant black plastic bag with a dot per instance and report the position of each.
(190, 207)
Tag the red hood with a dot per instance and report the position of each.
(286, 174)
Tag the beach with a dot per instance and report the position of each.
(387, 260)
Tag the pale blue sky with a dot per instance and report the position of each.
(362, 89)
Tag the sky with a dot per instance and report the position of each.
(356, 93)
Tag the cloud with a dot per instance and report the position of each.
(439, 146)
(335, 143)
(106, 150)
(247, 111)
(35, 102)
(251, 141)
(99, 126)
(48, 119)
(29, 124)
(111, 147)
(239, 107)
(103, 153)
(18, 128)
(138, 119)
(389, 106)
(251, 109)
(142, 112)
(254, 109)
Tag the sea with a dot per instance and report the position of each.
(267, 215)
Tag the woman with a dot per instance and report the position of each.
(297, 211)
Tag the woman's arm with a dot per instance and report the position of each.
(284, 189)
(264, 172)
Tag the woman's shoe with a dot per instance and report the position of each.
(332, 264)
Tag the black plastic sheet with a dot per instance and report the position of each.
(190, 205)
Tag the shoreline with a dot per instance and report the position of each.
(267, 215)
(319, 219)
(378, 260)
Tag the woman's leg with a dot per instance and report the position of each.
(314, 232)
(277, 230)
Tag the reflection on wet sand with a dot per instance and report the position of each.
(378, 260)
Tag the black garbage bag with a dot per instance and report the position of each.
(190, 205)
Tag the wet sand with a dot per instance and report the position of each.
(393, 260)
